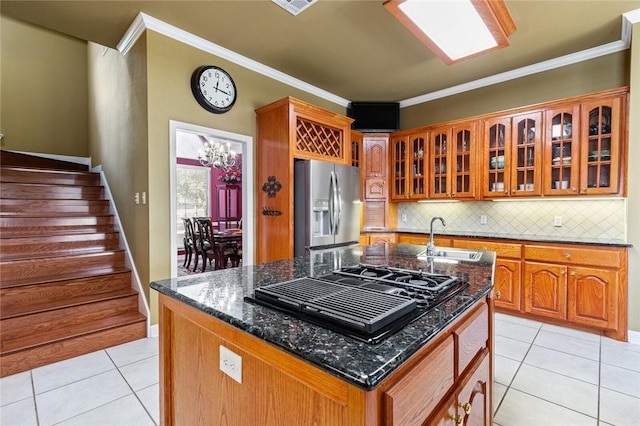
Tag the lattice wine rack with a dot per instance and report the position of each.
(318, 139)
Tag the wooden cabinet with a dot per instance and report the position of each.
(602, 136)
(581, 285)
(438, 392)
(561, 151)
(409, 158)
(507, 279)
(356, 148)
(229, 204)
(286, 130)
(378, 237)
(452, 161)
(512, 157)
(278, 388)
(377, 211)
(439, 241)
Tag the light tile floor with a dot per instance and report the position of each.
(544, 375)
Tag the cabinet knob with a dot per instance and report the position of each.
(574, 189)
(457, 419)
(498, 294)
(572, 273)
(584, 189)
(567, 255)
(466, 407)
(563, 272)
(507, 192)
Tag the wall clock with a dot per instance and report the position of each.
(213, 88)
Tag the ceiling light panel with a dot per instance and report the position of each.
(455, 29)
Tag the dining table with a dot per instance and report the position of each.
(223, 240)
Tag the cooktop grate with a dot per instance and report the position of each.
(355, 308)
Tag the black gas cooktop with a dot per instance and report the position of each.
(368, 302)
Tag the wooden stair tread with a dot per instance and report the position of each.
(81, 252)
(51, 336)
(87, 235)
(44, 306)
(61, 277)
(48, 232)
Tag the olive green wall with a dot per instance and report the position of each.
(602, 73)
(170, 65)
(633, 200)
(43, 90)
(117, 109)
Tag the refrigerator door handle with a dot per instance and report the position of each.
(338, 194)
(332, 206)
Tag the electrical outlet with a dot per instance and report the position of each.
(144, 198)
(557, 221)
(483, 219)
(231, 364)
(403, 218)
(136, 198)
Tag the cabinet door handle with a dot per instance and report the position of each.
(563, 272)
(457, 419)
(567, 255)
(572, 273)
(498, 294)
(574, 189)
(466, 407)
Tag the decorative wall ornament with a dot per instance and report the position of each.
(268, 211)
(271, 187)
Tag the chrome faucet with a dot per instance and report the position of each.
(431, 248)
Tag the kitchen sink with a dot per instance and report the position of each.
(453, 254)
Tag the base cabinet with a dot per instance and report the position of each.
(277, 388)
(507, 284)
(545, 289)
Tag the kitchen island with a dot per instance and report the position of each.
(291, 372)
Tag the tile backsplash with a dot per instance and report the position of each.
(582, 218)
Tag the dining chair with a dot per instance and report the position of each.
(188, 242)
(219, 252)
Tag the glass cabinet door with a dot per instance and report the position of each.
(463, 168)
(418, 165)
(497, 157)
(561, 151)
(600, 153)
(399, 173)
(525, 155)
(439, 166)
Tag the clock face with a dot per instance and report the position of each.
(213, 88)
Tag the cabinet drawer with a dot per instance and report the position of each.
(574, 255)
(423, 240)
(471, 337)
(410, 400)
(502, 249)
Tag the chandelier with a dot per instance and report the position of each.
(213, 153)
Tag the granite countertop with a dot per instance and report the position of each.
(516, 237)
(221, 294)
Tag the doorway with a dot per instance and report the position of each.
(245, 143)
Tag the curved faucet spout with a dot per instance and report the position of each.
(431, 248)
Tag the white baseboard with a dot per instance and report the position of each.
(634, 337)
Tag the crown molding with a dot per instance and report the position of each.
(144, 22)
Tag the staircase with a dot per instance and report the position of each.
(64, 287)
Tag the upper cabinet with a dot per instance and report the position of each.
(512, 156)
(561, 151)
(452, 160)
(409, 157)
(600, 170)
(375, 167)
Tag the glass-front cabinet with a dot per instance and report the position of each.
(408, 164)
(439, 144)
(497, 158)
(526, 154)
(463, 168)
(600, 153)
(512, 156)
(561, 151)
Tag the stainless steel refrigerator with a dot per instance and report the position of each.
(326, 205)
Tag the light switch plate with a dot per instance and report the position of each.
(231, 364)
(557, 221)
(483, 219)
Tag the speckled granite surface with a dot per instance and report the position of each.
(221, 295)
(519, 238)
